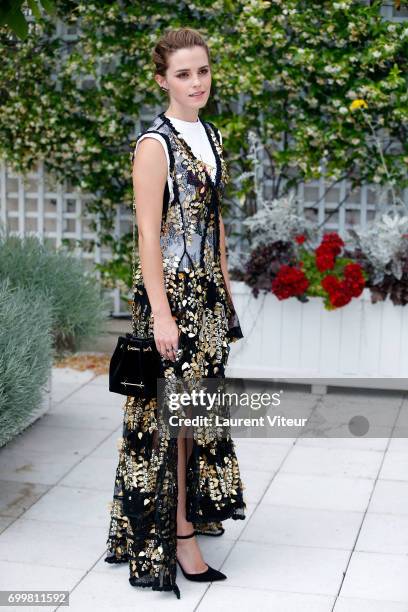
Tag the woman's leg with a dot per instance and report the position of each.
(188, 551)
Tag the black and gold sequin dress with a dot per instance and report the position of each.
(143, 524)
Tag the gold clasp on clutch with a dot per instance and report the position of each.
(123, 382)
(136, 348)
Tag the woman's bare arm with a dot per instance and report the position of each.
(149, 180)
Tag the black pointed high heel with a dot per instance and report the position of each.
(210, 574)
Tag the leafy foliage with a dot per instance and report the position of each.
(264, 263)
(291, 66)
(25, 355)
(78, 310)
(291, 269)
(382, 250)
(384, 244)
(12, 14)
(277, 220)
(396, 288)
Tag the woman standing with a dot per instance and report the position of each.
(168, 489)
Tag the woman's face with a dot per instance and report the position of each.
(188, 73)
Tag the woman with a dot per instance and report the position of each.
(168, 489)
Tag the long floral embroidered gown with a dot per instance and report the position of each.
(143, 524)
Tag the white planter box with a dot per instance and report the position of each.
(290, 339)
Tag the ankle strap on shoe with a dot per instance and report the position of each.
(191, 535)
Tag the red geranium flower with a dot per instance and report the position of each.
(324, 260)
(300, 238)
(332, 242)
(355, 288)
(353, 270)
(327, 251)
(339, 298)
(289, 282)
(354, 279)
(330, 283)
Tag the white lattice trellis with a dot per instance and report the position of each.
(358, 208)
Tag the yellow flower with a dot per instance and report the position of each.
(359, 103)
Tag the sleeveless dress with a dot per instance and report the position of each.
(143, 521)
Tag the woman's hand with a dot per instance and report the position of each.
(166, 334)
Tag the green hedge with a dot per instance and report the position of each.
(25, 355)
(75, 298)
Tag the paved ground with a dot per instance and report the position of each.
(326, 529)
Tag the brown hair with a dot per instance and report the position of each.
(173, 40)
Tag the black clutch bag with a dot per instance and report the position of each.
(135, 367)
(136, 363)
